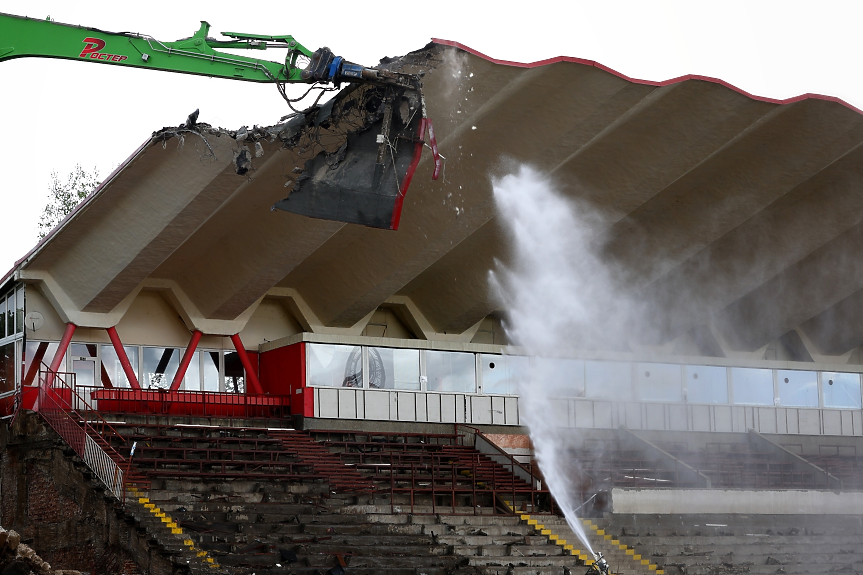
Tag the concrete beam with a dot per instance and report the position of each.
(735, 501)
(802, 291)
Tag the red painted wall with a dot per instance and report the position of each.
(283, 372)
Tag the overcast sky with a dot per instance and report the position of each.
(56, 114)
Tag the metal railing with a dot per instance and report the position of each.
(427, 473)
(184, 402)
(82, 428)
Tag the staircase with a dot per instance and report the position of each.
(249, 499)
(731, 544)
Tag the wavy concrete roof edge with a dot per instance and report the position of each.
(454, 44)
(574, 60)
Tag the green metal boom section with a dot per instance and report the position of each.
(22, 37)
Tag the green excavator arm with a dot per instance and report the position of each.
(28, 37)
(365, 186)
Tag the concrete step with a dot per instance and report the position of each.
(477, 541)
(559, 561)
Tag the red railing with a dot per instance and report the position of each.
(185, 403)
(83, 429)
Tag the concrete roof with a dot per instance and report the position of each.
(741, 214)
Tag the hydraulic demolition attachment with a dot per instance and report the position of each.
(367, 182)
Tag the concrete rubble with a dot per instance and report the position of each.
(19, 559)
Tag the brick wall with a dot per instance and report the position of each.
(49, 496)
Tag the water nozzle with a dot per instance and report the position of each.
(600, 565)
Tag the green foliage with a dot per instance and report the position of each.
(63, 197)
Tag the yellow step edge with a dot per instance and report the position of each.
(165, 519)
(607, 537)
(615, 542)
(553, 537)
(531, 521)
(645, 562)
(594, 527)
(173, 525)
(586, 521)
(560, 542)
(525, 517)
(600, 531)
(545, 532)
(202, 553)
(150, 505)
(188, 542)
(630, 551)
(637, 557)
(210, 560)
(660, 572)
(621, 546)
(651, 567)
(177, 531)
(568, 547)
(143, 500)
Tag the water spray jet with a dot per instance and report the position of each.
(558, 293)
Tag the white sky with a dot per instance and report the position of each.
(56, 114)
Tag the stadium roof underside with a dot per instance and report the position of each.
(737, 213)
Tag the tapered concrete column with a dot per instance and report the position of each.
(187, 359)
(124, 359)
(252, 383)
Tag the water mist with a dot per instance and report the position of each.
(558, 294)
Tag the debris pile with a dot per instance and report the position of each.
(18, 559)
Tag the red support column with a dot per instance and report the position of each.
(55, 363)
(61, 351)
(252, 383)
(124, 359)
(187, 359)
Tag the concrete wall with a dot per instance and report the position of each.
(684, 501)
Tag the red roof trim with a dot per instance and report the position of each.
(645, 82)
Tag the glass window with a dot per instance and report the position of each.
(111, 367)
(235, 381)
(10, 314)
(192, 378)
(560, 377)
(841, 389)
(37, 356)
(706, 384)
(2, 317)
(797, 388)
(160, 367)
(503, 373)
(608, 380)
(211, 370)
(19, 311)
(334, 365)
(751, 386)
(394, 368)
(7, 367)
(451, 371)
(659, 382)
